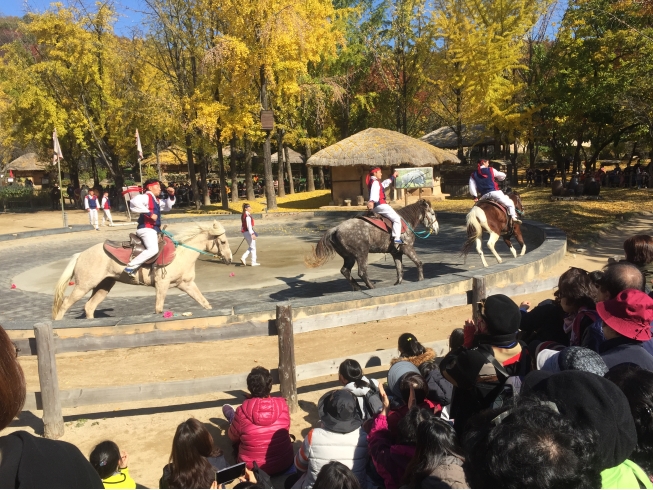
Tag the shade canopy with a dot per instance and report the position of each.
(383, 148)
(445, 137)
(295, 157)
(29, 162)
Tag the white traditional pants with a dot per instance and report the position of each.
(503, 199)
(391, 214)
(107, 216)
(252, 247)
(151, 242)
(92, 217)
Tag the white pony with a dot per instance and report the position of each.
(94, 270)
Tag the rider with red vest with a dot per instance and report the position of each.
(247, 229)
(483, 182)
(377, 201)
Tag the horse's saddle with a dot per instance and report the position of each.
(494, 202)
(123, 252)
(381, 222)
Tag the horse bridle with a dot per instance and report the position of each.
(215, 243)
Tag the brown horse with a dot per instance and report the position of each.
(486, 216)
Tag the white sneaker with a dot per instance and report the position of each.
(243, 261)
(254, 264)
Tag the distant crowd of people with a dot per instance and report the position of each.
(630, 176)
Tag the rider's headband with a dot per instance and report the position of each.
(375, 169)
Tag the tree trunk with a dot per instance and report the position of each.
(267, 158)
(223, 176)
(249, 184)
(320, 177)
(96, 178)
(579, 145)
(191, 169)
(289, 171)
(281, 189)
(531, 151)
(158, 162)
(204, 184)
(310, 183)
(234, 171)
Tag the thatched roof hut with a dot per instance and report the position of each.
(382, 148)
(350, 160)
(445, 137)
(295, 157)
(29, 162)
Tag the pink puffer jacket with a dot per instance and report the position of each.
(261, 428)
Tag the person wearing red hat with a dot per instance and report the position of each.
(626, 326)
(149, 223)
(377, 201)
(483, 182)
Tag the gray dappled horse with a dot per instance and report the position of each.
(355, 238)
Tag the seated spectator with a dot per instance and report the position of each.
(573, 358)
(336, 475)
(637, 385)
(626, 326)
(339, 438)
(618, 277)
(576, 294)
(593, 402)
(193, 459)
(544, 323)
(529, 445)
(29, 461)
(479, 370)
(111, 464)
(415, 385)
(395, 374)
(438, 461)
(260, 426)
(639, 252)
(391, 455)
(350, 374)
(440, 390)
(412, 351)
(456, 339)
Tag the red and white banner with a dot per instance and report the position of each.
(58, 156)
(139, 148)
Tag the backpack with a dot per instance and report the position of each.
(372, 402)
(494, 394)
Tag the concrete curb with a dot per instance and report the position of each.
(515, 276)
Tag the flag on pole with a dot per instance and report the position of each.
(139, 148)
(58, 156)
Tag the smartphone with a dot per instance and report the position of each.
(230, 473)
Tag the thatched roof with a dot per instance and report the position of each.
(29, 162)
(381, 147)
(295, 157)
(173, 155)
(445, 137)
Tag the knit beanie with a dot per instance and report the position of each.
(501, 315)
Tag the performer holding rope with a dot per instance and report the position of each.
(378, 204)
(149, 222)
(247, 230)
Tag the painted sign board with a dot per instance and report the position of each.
(414, 178)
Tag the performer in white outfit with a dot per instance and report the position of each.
(106, 208)
(149, 222)
(91, 206)
(377, 201)
(483, 182)
(247, 230)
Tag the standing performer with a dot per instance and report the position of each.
(378, 204)
(91, 206)
(149, 222)
(484, 182)
(247, 229)
(106, 207)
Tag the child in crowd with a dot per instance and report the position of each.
(351, 376)
(412, 351)
(106, 208)
(111, 464)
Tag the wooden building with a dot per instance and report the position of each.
(31, 166)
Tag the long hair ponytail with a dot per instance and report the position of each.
(352, 371)
(409, 345)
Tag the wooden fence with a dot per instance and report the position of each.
(51, 400)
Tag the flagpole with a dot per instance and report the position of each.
(57, 157)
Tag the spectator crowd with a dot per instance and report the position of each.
(555, 396)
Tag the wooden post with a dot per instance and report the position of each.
(47, 367)
(287, 374)
(478, 294)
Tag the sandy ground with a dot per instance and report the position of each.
(145, 429)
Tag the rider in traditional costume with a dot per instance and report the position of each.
(378, 204)
(149, 222)
(483, 182)
(247, 229)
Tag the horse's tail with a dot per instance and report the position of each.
(322, 251)
(60, 288)
(475, 220)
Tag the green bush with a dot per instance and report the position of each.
(15, 192)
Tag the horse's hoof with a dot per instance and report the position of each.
(397, 283)
(208, 307)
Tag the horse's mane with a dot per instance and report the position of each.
(188, 234)
(411, 212)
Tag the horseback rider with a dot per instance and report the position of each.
(149, 222)
(377, 201)
(483, 182)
